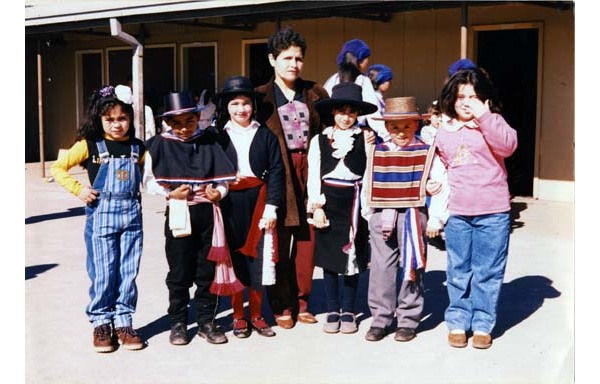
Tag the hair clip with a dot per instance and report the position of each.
(107, 91)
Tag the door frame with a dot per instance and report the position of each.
(245, 63)
(473, 31)
(184, 46)
(80, 107)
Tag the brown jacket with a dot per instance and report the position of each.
(267, 113)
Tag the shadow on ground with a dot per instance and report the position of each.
(35, 270)
(519, 299)
(515, 214)
(78, 211)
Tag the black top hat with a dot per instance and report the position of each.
(177, 103)
(345, 94)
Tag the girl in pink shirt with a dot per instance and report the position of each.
(473, 143)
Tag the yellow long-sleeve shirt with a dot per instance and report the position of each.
(85, 151)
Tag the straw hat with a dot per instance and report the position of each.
(402, 108)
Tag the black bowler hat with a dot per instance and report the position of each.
(346, 93)
(233, 86)
(177, 103)
(238, 85)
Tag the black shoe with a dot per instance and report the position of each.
(375, 334)
(241, 328)
(212, 333)
(178, 334)
(405, 334)
(262, 328)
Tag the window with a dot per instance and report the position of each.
(89, 77)
(199, 69)
(255, 61)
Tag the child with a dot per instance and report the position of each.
(207, 109)
(336, 164)
(187, 166)
(473, 144)
(431, 124)
(428, 132)
(286, 104)
(353, 62)
(396, 180)
(113, 229)
(381, 77)
(252, 202)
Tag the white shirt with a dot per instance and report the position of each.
(241, 138)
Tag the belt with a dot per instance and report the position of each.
(119, 195)
(297, 150)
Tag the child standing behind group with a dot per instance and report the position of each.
(396, 181)
(250, 208)
(473, 144)
(187, 166)
(113, 229)
(381, 77)
(336, 164)
(432, 123)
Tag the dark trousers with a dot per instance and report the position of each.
(294, 271)
(186, 257)
(332, 291)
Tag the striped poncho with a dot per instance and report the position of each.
(396, 178)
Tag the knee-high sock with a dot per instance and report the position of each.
(255, 299)
(237, 303)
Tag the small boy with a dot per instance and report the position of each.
(187, 165)
(395, 184)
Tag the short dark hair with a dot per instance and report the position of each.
(283, 39)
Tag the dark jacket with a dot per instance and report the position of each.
(267, 114)
(265, 161)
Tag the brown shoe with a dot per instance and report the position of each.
(103, 341)
(307, 317)
(457, 340)
(482, 341)
(285, 321)
(262, 328)
(129, 339)
(405, 334)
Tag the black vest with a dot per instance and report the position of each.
(355, 160)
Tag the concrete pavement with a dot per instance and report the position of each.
(537, 301)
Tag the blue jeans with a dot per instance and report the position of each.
(477, 248)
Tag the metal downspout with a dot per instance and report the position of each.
(137, 76)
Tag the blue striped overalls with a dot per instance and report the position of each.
(113, 237)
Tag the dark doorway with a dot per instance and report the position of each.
(511, 59)
(158, 67)
(32, 127)
(259, 68)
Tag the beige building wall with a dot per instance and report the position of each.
(418, 46)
